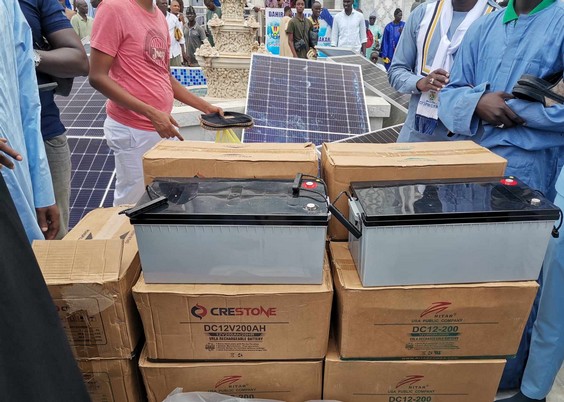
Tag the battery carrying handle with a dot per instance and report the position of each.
(341, 218)
(296, 185)
(148, 206)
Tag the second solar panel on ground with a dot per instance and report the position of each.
(376, 80)
(298, 100)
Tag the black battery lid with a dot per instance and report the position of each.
(234, 201)
(425, 202)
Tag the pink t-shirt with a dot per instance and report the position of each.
(139, 42)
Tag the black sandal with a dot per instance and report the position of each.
(215, 122)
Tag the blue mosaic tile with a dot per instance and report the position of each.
(189, 76)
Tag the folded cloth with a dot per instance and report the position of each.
(547, 91)
(214, 121)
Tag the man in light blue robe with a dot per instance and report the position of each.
(497, 50)
(409, 75)
(29, 182)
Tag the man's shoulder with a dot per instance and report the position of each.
(31, 4)
(490, 18)
(358, 15)
(559, 8)
(339, 16)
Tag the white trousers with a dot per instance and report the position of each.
(129, 145)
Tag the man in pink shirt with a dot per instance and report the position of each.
(129, 65)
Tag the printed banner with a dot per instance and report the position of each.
(273, 16)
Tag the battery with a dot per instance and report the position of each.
(440, 232)
(232, 231)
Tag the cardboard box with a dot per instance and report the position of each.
(235, 322)
(107, 224)
(243, 161)
(290, 381)
(112, 380)
(431, 321)
(344, 163)
(91, 287)
(410, 380)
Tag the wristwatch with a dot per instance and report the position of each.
(36, 58)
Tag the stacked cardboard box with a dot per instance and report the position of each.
(443, 322)
(411, 380)
(416, 343)
(259, 341)
(250, 341)
(90, 275)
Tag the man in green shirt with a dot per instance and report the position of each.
(298, 32)
(212, 9)
(194, 35)
(81, 22)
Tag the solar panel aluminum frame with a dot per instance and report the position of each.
(368, 138)
(372, 87)
(343, 50)
(345, 135)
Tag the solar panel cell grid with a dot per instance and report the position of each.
(93, 179)
(295, 100)
(84, 107)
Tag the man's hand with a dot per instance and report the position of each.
(434, 81)
(6, 149)
(492, 109)
(48, 220)
(164, 124)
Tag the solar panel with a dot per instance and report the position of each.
(93, 177)
(83, 112)
(382, 136)
(330, 51)
(376, 80)
(297, 100)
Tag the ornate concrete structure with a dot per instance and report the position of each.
(226, 66)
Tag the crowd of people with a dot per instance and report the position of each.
(459, 60)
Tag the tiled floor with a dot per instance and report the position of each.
(556, 395)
